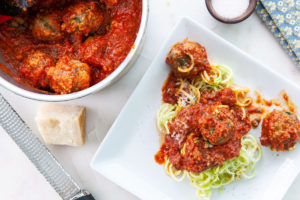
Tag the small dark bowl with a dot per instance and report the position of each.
(245, 15)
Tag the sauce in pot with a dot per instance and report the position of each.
(95, 36)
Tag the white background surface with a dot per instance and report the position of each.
(20, 180)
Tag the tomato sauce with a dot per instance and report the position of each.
(160, 155)
(255, 110)
(203, 135)
(290, 105)
(170, 89)
(258, 97)
(283, 101)
(70, 28)
(255, 122)
(8, 71)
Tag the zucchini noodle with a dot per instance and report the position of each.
(188, 69)
(187, 98)
(177, 175)
(217, 177)
(201, 85)
(219, 77)
(165, 114)
(240, 94)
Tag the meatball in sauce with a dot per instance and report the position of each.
(69, 75)
(47, 27)
(93, 51)
(280, 130)
(187, 59)
(35, 67)
(82, 18)
(216, 125)
(210, 132)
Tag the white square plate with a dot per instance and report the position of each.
(126, 155)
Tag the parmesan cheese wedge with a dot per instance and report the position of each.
(61, 124)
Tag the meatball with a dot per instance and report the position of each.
(69, 75)
(213, 122)
(82, 18)
(47, 27)
(203, 136)
(216, 125)
(280, 130)
(187, 59)
(34, 68)
(93, 50)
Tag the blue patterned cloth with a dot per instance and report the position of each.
(282, 17)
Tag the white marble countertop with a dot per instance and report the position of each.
(19, 178)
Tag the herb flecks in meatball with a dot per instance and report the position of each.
(82, 18)
(46, 27)
(187, 59)
(69, 75)
(217, 127)
(34, 69)
(280, 130)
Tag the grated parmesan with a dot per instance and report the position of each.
(230, 8)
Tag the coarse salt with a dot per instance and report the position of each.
(230, 8)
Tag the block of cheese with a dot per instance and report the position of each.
(61, 124)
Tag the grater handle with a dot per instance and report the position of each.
(88, 197)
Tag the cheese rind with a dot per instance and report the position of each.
(62, 124)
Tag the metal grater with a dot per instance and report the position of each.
(39, 155)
